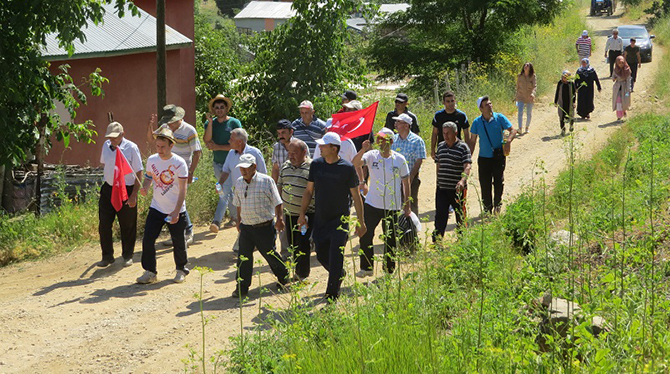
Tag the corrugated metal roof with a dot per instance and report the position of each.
(267, 10)
(392, 8)
(116, 36)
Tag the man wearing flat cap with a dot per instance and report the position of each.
(187, 146)
(127, 215)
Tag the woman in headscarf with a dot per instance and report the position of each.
(586, 76)
(526, 86)
(564, 99)
(621, 89)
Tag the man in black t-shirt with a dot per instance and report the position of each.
(334, 182)
(401, 102)
(634, 60)
(449, 114)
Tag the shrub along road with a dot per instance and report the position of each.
(64, 315)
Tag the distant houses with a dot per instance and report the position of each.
(260, 16)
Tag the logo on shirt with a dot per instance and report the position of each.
(166, 178)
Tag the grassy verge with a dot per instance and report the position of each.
(661, 84)
(467, 307)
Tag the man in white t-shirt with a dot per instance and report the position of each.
(389, 182)
(127, 215)
(168, 173)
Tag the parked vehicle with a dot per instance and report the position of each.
(642, 39)
(602, 6)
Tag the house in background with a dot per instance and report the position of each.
(125, 50)
(260, 16)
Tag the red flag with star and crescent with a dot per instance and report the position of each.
(121, 169)
(352, 124)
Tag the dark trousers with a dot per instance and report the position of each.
(444, 199)
(152, 228)
(299, 243)
(330, 239)
(564, 117)
(389, 220)
(261, 237)
(491, 177)
(611, 58)
(633, 75)
(127, 222)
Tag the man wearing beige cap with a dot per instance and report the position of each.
(308, 128)
(106, 212)
(258, 204)
(167, 172)
(186, 146)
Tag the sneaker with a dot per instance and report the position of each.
(189, 239)
(127, 263)
(214, 227)
(237, 294)
(147, 277)
(364, 273)
(180, 276)
(103, 263)
(230, 223)
(562, 132)
(527, 130)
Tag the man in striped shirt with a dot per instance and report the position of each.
(453, 168)
(292, 183)
(583, 45)
(308, 128)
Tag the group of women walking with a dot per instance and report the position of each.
(570, 90)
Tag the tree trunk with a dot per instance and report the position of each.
(39, 158)
(161, 68)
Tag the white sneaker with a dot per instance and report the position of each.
(527, 130)
(189, 239)
(180, 276)
(147, 277)
(128, 262)
(364, 273)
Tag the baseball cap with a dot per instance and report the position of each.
(164, 132)
(404, 117)
(171, 113)
(479, 101)
(329, 138)
(401, 97)
(306, 104)
(246, 160)
(284, 124)
(114, 129)
(584, 33)
(349, 95)
(353, 104)
(385, 132)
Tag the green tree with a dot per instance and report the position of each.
(434, 35)
(230, 7)
(28, 90)
(305, 58)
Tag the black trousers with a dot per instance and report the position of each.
(127, 222)
(563, 117)
(389, 219)
(611, 58)
(633, 74)
(299, 243)
(491, 177)
(444, 199)
(152, 228)
(263, 238)
(330, 240)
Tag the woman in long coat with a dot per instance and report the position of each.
(621, 89)
(564, 99)
(586, 77)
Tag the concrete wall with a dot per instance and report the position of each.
(255, 24)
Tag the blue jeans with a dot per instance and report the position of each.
(226, 199)
(529, 113)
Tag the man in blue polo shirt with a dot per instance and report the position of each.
(492, 149)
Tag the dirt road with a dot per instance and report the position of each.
(64, 315)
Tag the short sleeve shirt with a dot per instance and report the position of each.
(166, 175)
(221, 136)
(451, 163)
(292, 183)
(279, 154)
(390, 122)
(108, 158)
(495, 128)
(186, 142)
(332, 189)
(233, 158)
(631, 55)
(413, 148)
(257, 199)
(457, 117)
(309, 133)
(386, 174)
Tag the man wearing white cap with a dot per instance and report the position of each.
(308, 128)
(168, 174)
(333, 182)
(583, 45)
(413, 148)
(492, 149)
(106, 212)
(389, 183)
(258, 203)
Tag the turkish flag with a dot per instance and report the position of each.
(121, 169)
(352, 124)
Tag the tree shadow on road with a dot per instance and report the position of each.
(125, 291)
(611, 124)
(83, 278)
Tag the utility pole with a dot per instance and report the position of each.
(161, 75)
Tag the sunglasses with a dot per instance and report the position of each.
(245, 191)
(220, 107)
